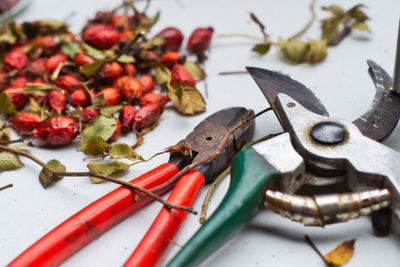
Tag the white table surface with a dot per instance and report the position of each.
(341, 82)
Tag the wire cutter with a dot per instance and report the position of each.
(96, 218)
(315, 149)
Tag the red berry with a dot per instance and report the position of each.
(80, 98)
(148, 83)
(38, 80)
(173, 38)
(130, 69)
(180, 74)
(199, 40)
(82, 59)
(47, 43)
(119, 83)
(112, 96)
(117, 131)
(101, 36)
(53, 62)
(18, 98)
(38, 66)
(68, 82)
(131, 89)
(56, 100)
(59, 130)
(89, 114)
(18, 82)
(153, 98)
(126, 117)
(111, 71)
(25, 122)
(147, 116)
(120, 21)
(16, 59)
(170, 58)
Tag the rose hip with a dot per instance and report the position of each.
(82, 59)
(117, 131)
(101, 36)
(59, 130)
(173, 38)
(131, 89)
(153, 98)
(89, 114)
(18, 98)
(147, 116)
(16, 59)
(119, 83)
(148, 83)
(130, 69)
(80, 98)
(199, 40)
(38, 66)
(68, 82)
(111, 71)
(120, 21)
(126, 117)
(47, 43)
(112, 96)
(57, 100)
(18, 82)
(53, 62)
(170, 58)
(180, 74)
(25, 122)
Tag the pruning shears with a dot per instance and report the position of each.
(99, 216)
(316, 150)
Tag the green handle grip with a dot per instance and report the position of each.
(250, 176)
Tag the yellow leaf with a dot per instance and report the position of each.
(186, 98)
(341, 254)
(317, 51)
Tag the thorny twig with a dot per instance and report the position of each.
(97, 175)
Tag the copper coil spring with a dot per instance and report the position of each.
(326, 209)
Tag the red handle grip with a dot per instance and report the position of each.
(164, 228)
(92, 221)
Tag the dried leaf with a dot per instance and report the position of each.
(336, 11)
(179, 148)
(108, 111)
(5, 132)
(153, 20)
(46, 178)
(96, 146)
(357, 14)
(186, 98)
(44, 27)
(92, 68)
(195, 69)
(69, 48)
(101, 126)
(9, 162)
(98, 101)
(8, 35)
(360, 26)
(93, 52)
(163, 75)
(6, 105)
(294, 50)
(318, 51)
(261, 49)
(330, 30)
(121, 150)
(107, 169)
(126, 59)
(341, 254)
(153, 43)
(34, 106)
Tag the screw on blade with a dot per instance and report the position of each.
(396, 75)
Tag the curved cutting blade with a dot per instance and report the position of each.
(273, 83)
(383, 114)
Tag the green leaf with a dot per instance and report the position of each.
(108, 111)
(195, 69)
(121, 150)
(4, 133)
(107, 169)
(101, 126)
(163, 75)
(126, 59)
(186, 98)
(69, 48)
(93, 52)
(46, 178)
(294, 50)
(153, 43)
(6, 105)
(92, 68)
(96, 146)
(318, 51)
(261, 49)
(9, 162)
(153, 20)
(360, 26)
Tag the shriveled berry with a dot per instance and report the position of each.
(130, 69)
(18, 82)
(38, 66)
(25, 122)
(47, 42)
(80, 98)
(170, 58)
(18, 98)
(101, 36)
(153, 98)
(181, 74)
(117, 131)
(89, 114)
(82, 59)
(16, 59)
(57, 131)
(112, 96)
(56, 100)
(111, 71)
(147, 116)
(68, 82)
(126, 117)
(173, 38)
(148, 83)
(53, 62)
(131, 89)
(199, 40)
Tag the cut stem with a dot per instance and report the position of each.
(6, 186)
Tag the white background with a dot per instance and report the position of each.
(341, 82)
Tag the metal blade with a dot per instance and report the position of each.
(396, 72)
(383, 114)
(273, 83)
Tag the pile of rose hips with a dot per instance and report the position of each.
(43, 61)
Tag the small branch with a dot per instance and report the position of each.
(123, 50)
(6, 186)
(19, 140)
(309, 23)
(240, 35)
(309, 242)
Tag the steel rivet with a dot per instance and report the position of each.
(388, 99)
(290, 105)
(377, 124)
(328, 133)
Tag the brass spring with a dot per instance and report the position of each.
(326, 209)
